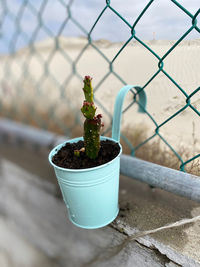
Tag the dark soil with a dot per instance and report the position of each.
(65, 157)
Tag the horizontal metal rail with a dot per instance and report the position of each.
(177, 182)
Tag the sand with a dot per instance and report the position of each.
(25, 82)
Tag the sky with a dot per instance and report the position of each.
(162, 20)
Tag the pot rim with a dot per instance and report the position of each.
(58, 147)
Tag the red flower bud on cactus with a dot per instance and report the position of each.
(99, 116)
(87, 78)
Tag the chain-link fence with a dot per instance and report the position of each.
(41, 74)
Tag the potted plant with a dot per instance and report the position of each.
(87, 169)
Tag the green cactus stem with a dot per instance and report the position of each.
(92, 136)
(88, 109)
(87, 89)
(92, 124)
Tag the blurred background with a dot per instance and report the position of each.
(47, 47)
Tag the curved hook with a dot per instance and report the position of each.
(118, 108)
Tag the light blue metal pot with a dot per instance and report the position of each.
(91, 195)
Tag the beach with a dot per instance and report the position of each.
(55, 88)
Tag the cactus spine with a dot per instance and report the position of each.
(92, 124)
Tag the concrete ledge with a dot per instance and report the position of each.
(143, 208)
(31, 210)
(35, 226)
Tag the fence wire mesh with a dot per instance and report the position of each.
(38, 81)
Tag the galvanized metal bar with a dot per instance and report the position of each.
(177, 182)
(19, 133)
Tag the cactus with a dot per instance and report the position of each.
(92, 124)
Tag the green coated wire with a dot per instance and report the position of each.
(74, 71)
